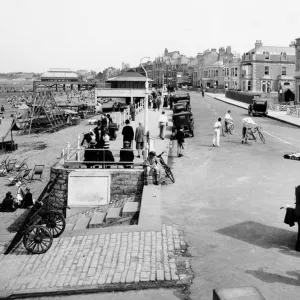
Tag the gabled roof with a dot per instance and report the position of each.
(129, 76)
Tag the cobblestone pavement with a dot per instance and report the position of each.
(99, 259)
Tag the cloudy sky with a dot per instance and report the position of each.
(94, 34)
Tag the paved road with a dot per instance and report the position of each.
(227, 201)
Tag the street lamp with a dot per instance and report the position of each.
(146, 110)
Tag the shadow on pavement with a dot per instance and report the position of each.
(272, 278)
(263, 236)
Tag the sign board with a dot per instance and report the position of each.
(88, 188)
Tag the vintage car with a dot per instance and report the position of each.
(180, 96)
(186, 120)
(179, 107)
(258, 107)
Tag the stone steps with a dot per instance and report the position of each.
(100, 219)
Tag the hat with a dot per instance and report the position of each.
(27, 189)
(93, 142)
(126, 143)
(152, 153)
(8, 193)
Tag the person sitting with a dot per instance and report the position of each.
(8, 203)
(105, 155)
(151, 163)
(248, 124)
(27, 200)
(126, 154)
(106, 139)
(91, 154)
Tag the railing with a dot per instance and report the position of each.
(293, 110)
(70, 150)
(102, 158)
(277, 107)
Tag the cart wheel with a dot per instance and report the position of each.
(192, 133)
(54, 221)
(37, 239)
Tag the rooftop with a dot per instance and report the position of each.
(129, 76)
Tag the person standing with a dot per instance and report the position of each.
(132, 111)
(163, 122)
(139, 138)
(27, 200)
(127, 133)
(217, 130)
(106, 139)
(158, 102)
(180, 141)
(97, 132)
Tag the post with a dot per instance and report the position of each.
(95, 96)
(68, 151)
(78, 147)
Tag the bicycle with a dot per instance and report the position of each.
(229, 129)
(251, 134)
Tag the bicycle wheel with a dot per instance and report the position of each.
(169, 173)
(261, 137)
(231, 129)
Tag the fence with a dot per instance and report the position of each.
(293, 110)
(240, 96)
(71, 150)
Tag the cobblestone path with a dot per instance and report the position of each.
(98, 259)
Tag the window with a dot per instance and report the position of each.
(283, 71)
(217, 73)
(267, 55)
(283, 56)
(249, 85)
(236, 72)
(266, 70)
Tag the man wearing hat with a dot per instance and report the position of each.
(151, 163)
(91, 154)
(97, 131)
(126, 154)
(8, 202)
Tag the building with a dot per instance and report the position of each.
(213, 74)
(232, 73)
(267, 69)
(297, 71)
(110, 72)
(59, 75)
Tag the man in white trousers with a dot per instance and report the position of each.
(217, 130)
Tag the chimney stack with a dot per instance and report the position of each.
(228, 49)
(258, 44)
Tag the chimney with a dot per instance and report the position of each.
(228, 50)
(258, 44)
(221, 51)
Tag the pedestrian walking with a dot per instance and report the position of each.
(217, 130)
(180, 142)
(139, 138)
(162, 123)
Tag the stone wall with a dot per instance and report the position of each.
(124, 183)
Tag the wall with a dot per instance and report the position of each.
(124, 183)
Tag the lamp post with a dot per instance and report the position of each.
(146, 111)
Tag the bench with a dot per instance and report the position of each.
(102, 164)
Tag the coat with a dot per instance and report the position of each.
(128, 133)
(139, 134)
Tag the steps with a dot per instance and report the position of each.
(101, 219)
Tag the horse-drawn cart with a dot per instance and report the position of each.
(43, 222)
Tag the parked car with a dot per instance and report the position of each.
(258, 107)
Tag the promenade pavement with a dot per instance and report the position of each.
(277, 115)
(97, 261)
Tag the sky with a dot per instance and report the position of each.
(95, 34)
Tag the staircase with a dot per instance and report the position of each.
(103, 217)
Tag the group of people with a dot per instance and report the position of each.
(23, 199)
(247, 123)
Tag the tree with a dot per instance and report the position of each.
(99, 75)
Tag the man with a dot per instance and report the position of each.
(132, 112)
(163, 122)
(158, 102)
(228, 119)
(8, 202)
(180, 141)
(151, 163)
(217, 129)
(247, 123)
(2, 109)
(139, 138)
(126, 154)
(97, 131)
(127, 133)
(27, 200)
(91, 154)
(106, 156)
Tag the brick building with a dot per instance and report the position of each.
(268, 69)
(297, 71)
(110, 72)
